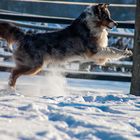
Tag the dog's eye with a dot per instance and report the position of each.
(105, 16)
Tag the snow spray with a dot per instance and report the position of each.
(55, 82)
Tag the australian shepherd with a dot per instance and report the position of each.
(85, 39)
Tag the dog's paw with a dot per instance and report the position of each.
(128, 53)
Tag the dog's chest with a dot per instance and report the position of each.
(103, 39)
(100, 38)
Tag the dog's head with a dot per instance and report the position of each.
(100, 15)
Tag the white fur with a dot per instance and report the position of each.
(103, 39)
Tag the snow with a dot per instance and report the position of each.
(68, 109)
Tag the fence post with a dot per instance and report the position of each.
(135, 83)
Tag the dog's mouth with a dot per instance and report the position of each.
(108, 23)
(112, 24)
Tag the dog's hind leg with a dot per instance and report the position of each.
(17, 72)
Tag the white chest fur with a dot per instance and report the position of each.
(102, 39)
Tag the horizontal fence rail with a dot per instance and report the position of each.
(45, 28)
(78, 3)
(47, 19)
(81, 75)
(130, 35)
(99, 76)
(35, 18)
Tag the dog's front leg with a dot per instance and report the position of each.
(105, 54)
(113, 53)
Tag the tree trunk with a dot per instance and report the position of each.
(135, 83)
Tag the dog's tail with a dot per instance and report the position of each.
(11, 33)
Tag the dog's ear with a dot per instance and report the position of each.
(106, 5)
(100, 5)
(103, 5)
(97, 9)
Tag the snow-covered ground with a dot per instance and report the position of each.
(53, 108)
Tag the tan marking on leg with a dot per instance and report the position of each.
(17, 72)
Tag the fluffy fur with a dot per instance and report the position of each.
(85, 39)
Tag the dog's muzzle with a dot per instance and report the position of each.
(112, 24)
